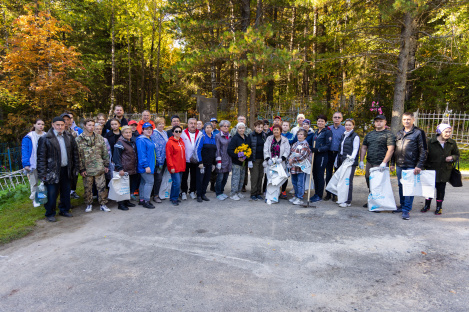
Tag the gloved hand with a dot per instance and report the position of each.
(219, 166)
(382, 166)
(349, 157)
(264, 164)
(202, 170)
(314, 150)
(270, 162)
(250, 164)
(201, 166)
(213, 167)
(336, 162)
(278, 160)
(361, 165)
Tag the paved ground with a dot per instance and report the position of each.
(243, 256)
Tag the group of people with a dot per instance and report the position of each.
(203, 154)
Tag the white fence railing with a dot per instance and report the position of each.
(9, 180)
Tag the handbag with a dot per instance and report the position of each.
(455, 179)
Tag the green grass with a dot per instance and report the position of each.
(18, 216)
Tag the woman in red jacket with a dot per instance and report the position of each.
(176, 161)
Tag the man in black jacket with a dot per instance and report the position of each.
(410, 154)
(119, 115)
(57, 158)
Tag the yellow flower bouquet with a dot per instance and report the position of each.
(243, 151)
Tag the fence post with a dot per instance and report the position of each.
(9, 158)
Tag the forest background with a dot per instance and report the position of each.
(88, 56)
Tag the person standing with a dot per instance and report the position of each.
(378, 146)
(160, 138)
(323, 139)
(119, 115)
(176, 161)
(189, 137)
(286, 131)
(206, 153)
(409, 154)
(200, 125)
(214, 122)
(113, 135)
(73, 125)
(247, 131)
(348, 149)
(299, 162)
(213, 177)
(337, 131)
(29, 156)
(442, 153)
(299, 119)
(135, 134)
(238, 163)
(258, 138)
(146, 152)
(223, 160)
(57, 159)
(146, 117)
(73, 134)
(175, 121)
(93, 164)
(125, 160)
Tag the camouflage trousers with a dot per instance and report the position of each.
(100, 182)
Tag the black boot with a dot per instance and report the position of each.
(328, 196)
(129, 204)
(141, 202)
(148, 205)
(122, 206)
(205, 198)
(425, 208)
(439, 209)
(199, 199)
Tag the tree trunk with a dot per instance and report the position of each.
(142, 79)
(252, 101)
(407, 31)
(411, 66)
(113, 61)
(290, 47)
(245, 6)
(157, 91)
(130, 70)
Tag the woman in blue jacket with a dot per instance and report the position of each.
(160, 138)
(320, 144)
(146, 152)
(28, 156)
(206, 153)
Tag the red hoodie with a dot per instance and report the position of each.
(140, 124)
(176, 155)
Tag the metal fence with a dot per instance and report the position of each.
(10, 158)
(138, 116)
(459, 121)
(9, 180)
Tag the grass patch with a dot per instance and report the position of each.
(18, 216)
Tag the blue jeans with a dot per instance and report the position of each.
(53, 191)
(175, 186)
(298, 181)
(222, 178)
(405, 201)
(146, 185)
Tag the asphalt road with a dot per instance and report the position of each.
(244, 256)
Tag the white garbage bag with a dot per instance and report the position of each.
(119, 187)
(422, 184)
(381, 197)
(339, 183)
(165, 188)
(276, 176)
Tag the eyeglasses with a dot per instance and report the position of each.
(337, 117)
(177, 131)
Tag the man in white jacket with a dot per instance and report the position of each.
(189, 137)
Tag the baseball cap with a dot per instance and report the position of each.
(278, 117)
(133, 122)
(147, 125)
(213, 119)
(307, 121)
(65, 115)
(380, 117)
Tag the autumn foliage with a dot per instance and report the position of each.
(38, 70)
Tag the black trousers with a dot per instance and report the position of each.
(330, 166)
(440, 190)
(192, 169)
(203, 180)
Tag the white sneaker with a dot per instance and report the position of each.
(36, 204)
(221, 197)
(291, 200)
(225, 196)
(183, 196)
(105, 208)
(192, 195)
(297, 202)
(235, 197)
(240, 195)
(344, 205)
(89, 208)
(292, 191)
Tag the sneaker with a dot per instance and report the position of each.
(399, 209)
(199, 199)
(157, 200)
(74, 195)
(221, 197)
(292, 191)
(122, 206)
(141, 202)
(148, 205)
(89, 208)
(345, 205)
(253, 197)
(338, 202)
(36, 204)
(175, 203)
(104, 208)
(224, 196)
(297, 201)
(315, 198)
(365, 205)
(192, 195)
(133, 197)
(240, 195)
(260, 197)
(235, 197)
(205, 198)
(405, 215)
(283, 195)
(291, 200)
(183, 196)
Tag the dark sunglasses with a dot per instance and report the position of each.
(177, 131)
(337, 117)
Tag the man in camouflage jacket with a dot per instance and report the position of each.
(93, 164)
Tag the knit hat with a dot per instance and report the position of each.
(442, 127)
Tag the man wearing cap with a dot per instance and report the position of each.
(175, 121)
(337, 131)
(146, 118)
(73, 134)
(410, 154)
(57, 159)
(213, 177)
(133, 125)
(299, 120)
(378, 146)
(119, 115)
(214, 122)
